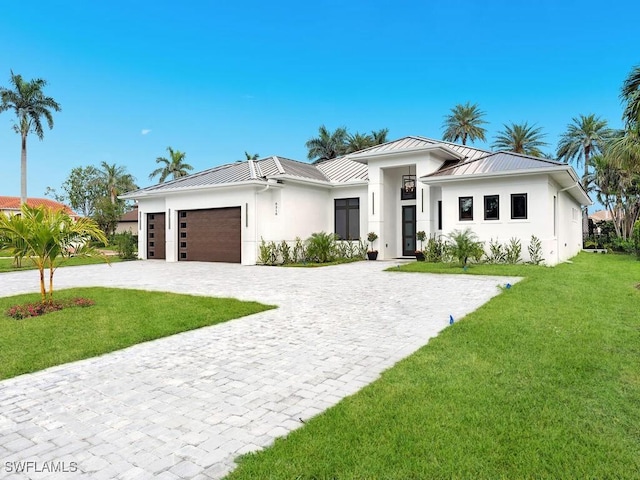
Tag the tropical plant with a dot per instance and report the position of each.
(520, 138)
(464, 123)
(127, 245)
(496, 252)
(30, 105)
(327, 145)
(48, 238)
(631, 96)
(174, 166)
(358, 141)
(379, 136)
(321, 247)
(535, 250)
(285, 252)
(82, 188)
(298, 252)
(585, 136)
(115, 180)
(435, 251)
(248, 156)
(464, 244)
(512, 251)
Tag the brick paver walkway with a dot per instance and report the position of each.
(185, 406)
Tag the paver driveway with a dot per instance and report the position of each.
(187, 405)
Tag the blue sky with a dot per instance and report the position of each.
(214, 79)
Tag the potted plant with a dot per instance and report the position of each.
(421, 236)
(372, 254)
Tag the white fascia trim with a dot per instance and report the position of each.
(364, 157)
(427, 179)
(294, 179)
(357, 183)
(176, 191)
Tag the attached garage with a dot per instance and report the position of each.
(211, 235)
(156, 236)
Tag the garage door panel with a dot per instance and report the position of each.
(156, 236)
(212, 235)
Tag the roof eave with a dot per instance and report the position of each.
(161, 192)
(364, 158)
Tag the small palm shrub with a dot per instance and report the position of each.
(321, 247)
(463, 245)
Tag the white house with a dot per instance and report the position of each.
(394, 189)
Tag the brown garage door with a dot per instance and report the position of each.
(211, 235)
(155, 236)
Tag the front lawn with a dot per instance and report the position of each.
(6, 263)
(120, 318)
(541, 382)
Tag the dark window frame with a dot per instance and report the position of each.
(486, 209)
(514, 197)
(461, 215)
(347, 205)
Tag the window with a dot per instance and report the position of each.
(183, 214)
(347, 218)
(466, 208)
(183, 234)
(183, 224)
(492, 207)
(518, 206)
(408, 190)
(439, 214)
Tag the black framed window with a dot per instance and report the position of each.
(465, 208)
(347, 218)
(518, 206)
(439, 214)
(492, 207)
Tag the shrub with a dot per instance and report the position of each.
(299, 252)
(321, 247)
(513, 250)
(285, 252)
(268, 253)
(535, 250)
(463, 245)
(127, 245)
(496, 252)
(435, 250)
(372, 237)
(37, 309)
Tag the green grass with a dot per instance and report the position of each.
(6, 263)
(541, 382)
(120, 318)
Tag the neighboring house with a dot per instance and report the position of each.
(394, 189)
(11, 205)
(128, 222)
(601, 216)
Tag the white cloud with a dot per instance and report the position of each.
(145, 131)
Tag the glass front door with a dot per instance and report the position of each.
(408, 230)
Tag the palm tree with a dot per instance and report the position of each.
(358, 141)
(631, 96)
(520, 138)
(379, 136)
(586, 136)
(30, 104)
(115, 180)
(464, 123)
(327, 145)
(174, 166)
(48, 237)
(255, 156)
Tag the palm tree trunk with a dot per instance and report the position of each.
(23, 170)
(585, 210)
(43, 291)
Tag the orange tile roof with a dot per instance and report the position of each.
(13, 203)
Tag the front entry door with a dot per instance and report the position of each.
(408, 230)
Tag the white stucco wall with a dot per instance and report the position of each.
(559, 242)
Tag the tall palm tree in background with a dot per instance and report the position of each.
(255, 156)
(30, 105)
(358, 141)
(520, 138)
(115, 180)
(379, 136)
(327, 145)
(464, 123)
(174, 166)
(631, 96)
(585, 136)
